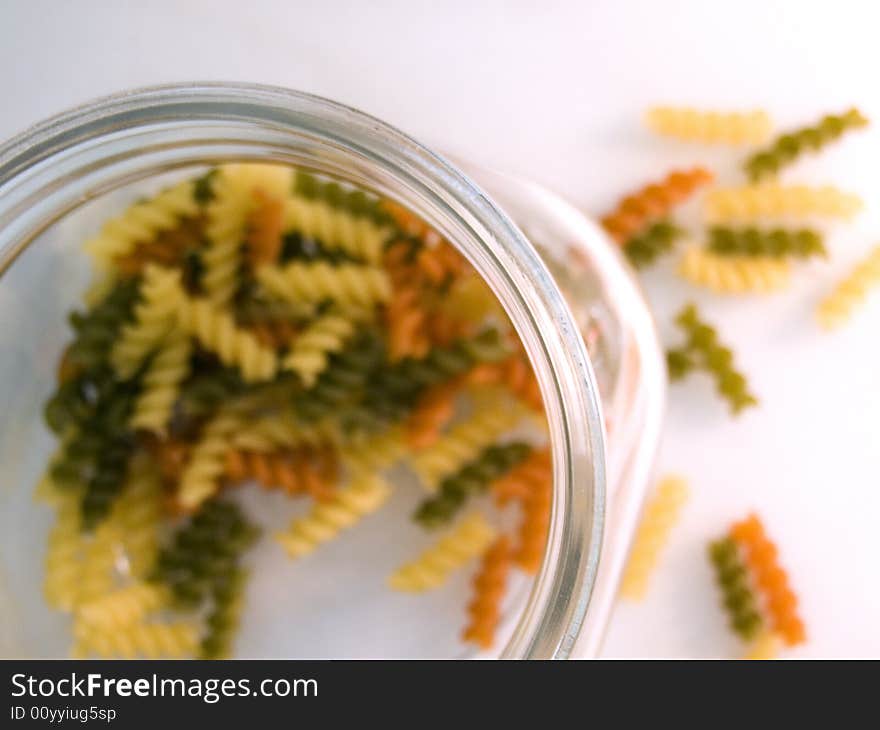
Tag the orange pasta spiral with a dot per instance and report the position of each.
(441, 263)
(516, 374)
(265, 227)
(519, 481)
(432, 412)
(536, 505)
(490, 584)
(762, 559)
(405, 315)
(653, 202)
(310, 471)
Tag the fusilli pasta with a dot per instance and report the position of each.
(694, 125)
(734, 274)
(771, 200)
(467, 539)
(838, 306)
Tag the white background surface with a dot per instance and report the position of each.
(555, 91)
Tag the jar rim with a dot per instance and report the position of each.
(554, 612)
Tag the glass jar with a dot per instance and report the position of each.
(60, 179)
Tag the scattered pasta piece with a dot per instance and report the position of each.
(694, 125)
(702, 350)
(734, 274)
(653, 202)
(775, 243)
(838, 306)
(771, 200)
(661, 514)
(790, 146)
(739, 599)
(646, 247)
(771, 579)
(766, 646)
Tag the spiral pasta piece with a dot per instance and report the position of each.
(788, 147)
(405, 314)
(283, 430)
(161, 384)
(349, 505)
(172, 640)
(524, 478)
(660, 517)
(772, 200)
(467, 539)
(646, 247)
(348, 285)
(335, 227)
(101, 554)
(222, 622)
(774, 243)
(653, 202)
(64, 556)
(434, 409)
(141, 222)
(139, 513)
(490, 585)
(464, 442)
(309, 354)
(215, 329)
(515, 374)
(124, 607)
(739, 599)
(264, 228)
(734, 274)
(228, 213)
(170, 248)
(537, 505)
(838, 306)
(772, 580)
(296, 472)
(694, 125)
(374, 453)
(199, 480)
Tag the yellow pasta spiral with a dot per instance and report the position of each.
(327, 519)
(101, 555)
(734, 274)
(375, 453)
(772, 200)
(348, 285)
(838, 306)
(281, 431)
(173, 640)
(335, 228)
(695, 125)
(311, 349)
(660, 516)
(199, 480)
(139, 512)
(465, 441)
(153, 318)
(233, 189)
(64, 557)
(141, 222)
(161, 384)
(125, 606)
(215, 329)
(468, 539)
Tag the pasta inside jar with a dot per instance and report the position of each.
(296, 387)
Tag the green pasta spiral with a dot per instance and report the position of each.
(203, 393)
(96, 330)
(203, 188)
(225, 615)
(703, 351)
(789, 147)
(296, 247)
(395, 389)
(355, 202)
(645, 248)
(473, 478)
(343, 383)
(778, 242)
(204, 551)
(732, 578)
